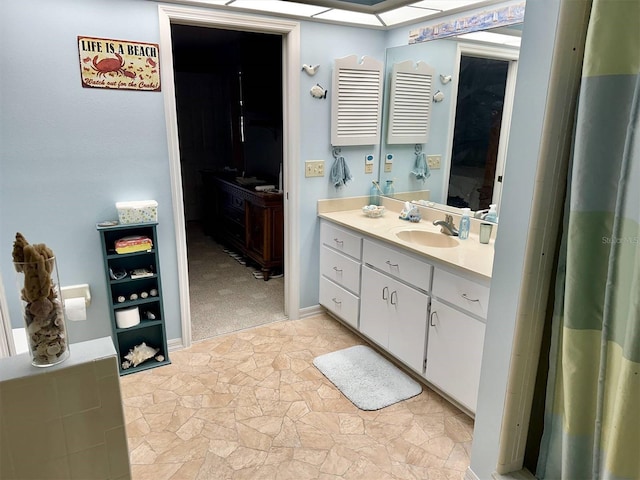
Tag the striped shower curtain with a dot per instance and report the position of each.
(592, 413)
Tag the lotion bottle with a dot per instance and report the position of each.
(465, 224)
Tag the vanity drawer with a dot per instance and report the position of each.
(462, 292)
(341, 269)
(341, 240)
(338, 301)
(404, 267)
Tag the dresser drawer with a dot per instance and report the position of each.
(404, 267)
(341, 239)
(462, 292)
(341, 269)
(340, 302)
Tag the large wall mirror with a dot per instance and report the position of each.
(474, 84)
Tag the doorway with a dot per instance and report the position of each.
(485, 90)
(290, 33)
(228, 89)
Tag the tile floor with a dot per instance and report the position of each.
(251, 405)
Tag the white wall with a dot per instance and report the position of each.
(536, 52)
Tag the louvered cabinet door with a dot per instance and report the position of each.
(410, 103)
(356, 101)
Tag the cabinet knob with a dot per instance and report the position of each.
(385, 293)
(396, 296)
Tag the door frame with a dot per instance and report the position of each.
(290, 31)
(498, 53)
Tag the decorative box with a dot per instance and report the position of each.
(141, 211)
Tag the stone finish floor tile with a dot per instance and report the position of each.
(251, 405)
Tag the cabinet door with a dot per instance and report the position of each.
(454, 353)
(394, 315)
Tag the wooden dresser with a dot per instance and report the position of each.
(250, 222)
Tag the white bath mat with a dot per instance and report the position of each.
(366, 378)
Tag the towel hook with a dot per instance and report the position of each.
(418, 148)
(336, 152)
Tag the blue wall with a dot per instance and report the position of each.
(68, 153)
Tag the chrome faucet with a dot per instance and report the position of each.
(446, 226)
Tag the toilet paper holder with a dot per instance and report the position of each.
(75, 291)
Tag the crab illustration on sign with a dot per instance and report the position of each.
(119, 64)
(115, 65)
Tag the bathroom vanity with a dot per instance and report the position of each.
(420, 295)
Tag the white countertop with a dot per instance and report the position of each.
(470, 256)
(19, 366)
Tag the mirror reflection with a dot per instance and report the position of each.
(470, 115)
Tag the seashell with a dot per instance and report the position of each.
(153, 292)
(144, 295)
(140, 353)
(159, 358)
(126, 364)
(133, 296)
(53, 349)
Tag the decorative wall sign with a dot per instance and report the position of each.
(119, 64)
(500, 17)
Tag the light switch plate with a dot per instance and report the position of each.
(368, 168)
(434, 161)
(388, 167)
(314, 168)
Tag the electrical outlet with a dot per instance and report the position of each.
(388, 167)
(314, 168)
(434, 161)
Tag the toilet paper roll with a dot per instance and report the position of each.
(75, 309)
(127, 317)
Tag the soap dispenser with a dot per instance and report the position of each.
(465, 224)
(492, 214)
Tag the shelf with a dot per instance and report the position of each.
(151, 363)
(133, 303)
(112, 254)
(142, 324)
(129, 279)
(150, 332)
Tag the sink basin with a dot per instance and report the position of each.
(427, 239)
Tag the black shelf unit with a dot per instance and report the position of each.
(152, 332)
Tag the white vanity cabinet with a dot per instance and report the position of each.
(340, 254)
(394, 309)
(456, 336)
(427, 313)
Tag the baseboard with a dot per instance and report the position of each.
(469, 475)
(311, 311)
(175, 344)
(523, 474)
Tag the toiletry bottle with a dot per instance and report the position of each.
(389, 190)
(492, 214)
(465, 224)
(374, 194)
